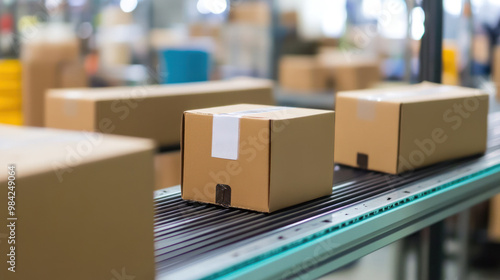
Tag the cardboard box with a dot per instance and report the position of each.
(115, 16)
(167, 169)
(247, 49)
(404, 128)
(495, 75)
(330, 69)
(354, 76)
(494, 225)
(496, 65)
(328, 42)
(257, 157)
(481, 48)
(289, 19)
(302, 73)
(83, 203)
(153, 112)
(202, 29)
(115, 54)
(48, 65)
(349, 70)
(161, 38)
(256, 13)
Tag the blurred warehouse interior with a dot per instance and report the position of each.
(128, 42)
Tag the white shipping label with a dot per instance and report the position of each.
(226, 132)
(225, 136)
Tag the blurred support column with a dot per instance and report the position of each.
(408, 246)
(423, 251)
(463, 241)
(275, 39)
(410, 4)
(150, 65)
(401, 259)
(436, 251)
(430, 69)
(431, 49)
(16, 43)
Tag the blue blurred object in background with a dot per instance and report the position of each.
(184, 66)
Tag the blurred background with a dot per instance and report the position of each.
(311, 48)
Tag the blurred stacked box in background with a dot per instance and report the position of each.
(331, 69)
(350, 70)
(50, 59)
(10, 92)
(147, 111)
(153, 112)
(115, 46)
(247, 39)
(167, 169)
(495, 73)
(254, 13)
(302, 73)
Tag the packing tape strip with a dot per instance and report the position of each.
(226, 132)
(366, 104)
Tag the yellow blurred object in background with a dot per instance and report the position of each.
(10, 92)
(13, 117)
(9, 103)
(450, 65)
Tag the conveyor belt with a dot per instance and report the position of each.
(189, 232)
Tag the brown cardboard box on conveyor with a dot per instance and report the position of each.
(257, 157)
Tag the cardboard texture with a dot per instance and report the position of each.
(284, 156)
(494, 225)
(404, 128)
(167, 169)
(302, 73)
(83, 202)
(153, 112)
(48, 65)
